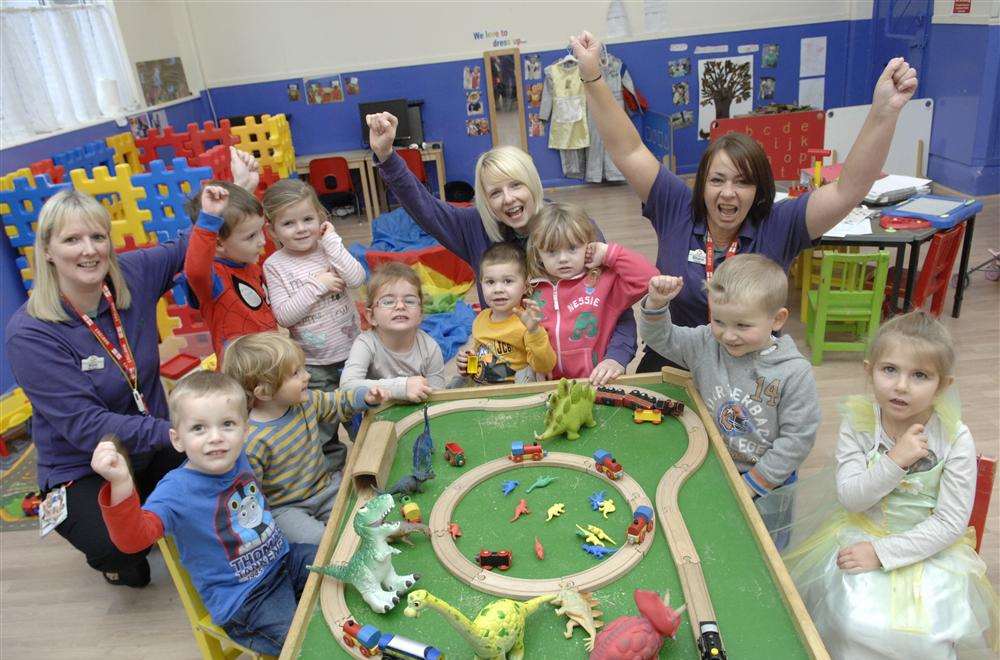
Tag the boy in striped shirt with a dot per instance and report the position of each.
(284, 445)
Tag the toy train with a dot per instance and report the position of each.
(490, 559)
(370, 641)
(710, 642)
(521, 452)
(636, 399)
(606, 464)
(454, 454)
(642, 524)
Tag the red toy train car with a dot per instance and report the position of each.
(637, 400)
(490, 559)
(521, 452)
(454, 454)
(606, 464)
(642, 524)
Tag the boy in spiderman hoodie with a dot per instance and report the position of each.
(221, 263)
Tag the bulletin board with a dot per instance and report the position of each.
(910, 142)
(786, 138)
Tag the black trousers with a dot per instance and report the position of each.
(84, 526)
(653, 361)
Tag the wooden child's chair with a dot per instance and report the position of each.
(846, 305)
(213, 642)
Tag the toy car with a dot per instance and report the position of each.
(606, 464)
(454, 454)
(520, 452)
(647, 415)
(411, 512)
(490, 559)
(473, 366)
(364, 637)
(30, 504)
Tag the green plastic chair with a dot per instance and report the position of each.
(845, 303)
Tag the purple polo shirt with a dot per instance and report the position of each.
(780, 236)
(75, 404)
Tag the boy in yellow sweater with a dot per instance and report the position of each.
(509, 344)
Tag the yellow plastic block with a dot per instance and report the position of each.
(165, 323)
(29, 272)
(7, 183)
(125, 150)
(15, 409)
(127, 219)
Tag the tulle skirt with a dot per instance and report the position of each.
(942, 607)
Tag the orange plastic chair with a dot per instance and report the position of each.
(985, 472)
(932, 282)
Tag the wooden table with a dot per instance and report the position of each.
(357, 159)
(914, 239)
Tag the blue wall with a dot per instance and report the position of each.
(336, 126)
(962, 75)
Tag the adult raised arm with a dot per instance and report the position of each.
(832, 202)
(621, 139)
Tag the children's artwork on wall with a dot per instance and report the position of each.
(353, 86)
(769, 58)
(535, 94)
(477, 127)
(533, 67)
(473, 103)
(767, 85)
(535, 126)
(471, 76)
(680, 67)
(812, 56)
(725, 89)
(162, 80)
(681, 93)
(294, 93)
(139, 124)
(158, 119)
(682, 119)
(324, 90)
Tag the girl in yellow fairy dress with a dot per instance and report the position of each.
(894, 573)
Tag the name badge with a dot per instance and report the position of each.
(92, 363)
(697, 256)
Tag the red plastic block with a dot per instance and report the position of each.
(179, 365)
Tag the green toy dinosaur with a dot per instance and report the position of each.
(370, 569)
(497, 631)
(569, 407)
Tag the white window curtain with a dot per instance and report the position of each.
(62, 66)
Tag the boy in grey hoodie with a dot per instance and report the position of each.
(757, 387)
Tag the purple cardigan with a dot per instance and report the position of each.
(461, 231)
(780, 236)
(72, 408)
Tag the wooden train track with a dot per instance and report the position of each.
(696, 595)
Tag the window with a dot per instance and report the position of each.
(63, 66)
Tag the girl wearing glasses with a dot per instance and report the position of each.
(395, 355)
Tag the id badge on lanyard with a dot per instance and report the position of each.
(123, 359)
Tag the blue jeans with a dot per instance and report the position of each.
(262, 621)
(778, 522)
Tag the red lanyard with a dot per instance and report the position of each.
(123, 358)
(710, 254)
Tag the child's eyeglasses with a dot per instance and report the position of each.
(389, 302)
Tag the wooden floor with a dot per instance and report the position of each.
(53, 605)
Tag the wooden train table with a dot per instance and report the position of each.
(709, 547)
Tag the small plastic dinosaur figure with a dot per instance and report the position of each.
(607, 506)
(601, 534)
(598, 551)
(409, 484)
(588, 536)
(541, 482)
(522, 508)
(539, 550)
(405, 529)
(454, 530)
(509, 486)
(596, 499)
(580, 609)
(555, 511)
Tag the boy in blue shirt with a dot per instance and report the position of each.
(248, 575)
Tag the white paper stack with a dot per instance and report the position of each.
(895, 188)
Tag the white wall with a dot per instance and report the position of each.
(154, 30)
(253, 41)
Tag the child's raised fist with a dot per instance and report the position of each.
(213, 199)
(663, 289)
(108, 462)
